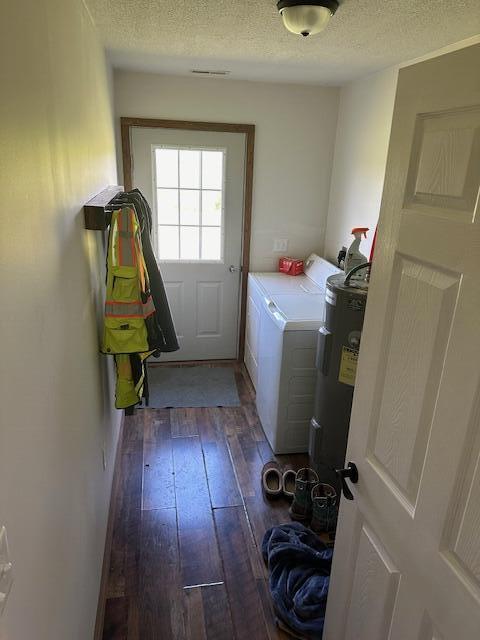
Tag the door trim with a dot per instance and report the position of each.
(126, 124)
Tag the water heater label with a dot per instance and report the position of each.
(348, 366)
(356, 304)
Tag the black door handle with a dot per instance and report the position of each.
(351, 472)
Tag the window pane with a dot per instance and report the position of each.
(189, 207)
(167, 206)
(189, 243)
(212, 169)
(168, 243)
(166, 163)
(189, 169)
(211, 243)
(212, 208)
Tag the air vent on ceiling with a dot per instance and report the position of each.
(205, 72)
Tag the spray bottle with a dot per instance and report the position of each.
(354, 257)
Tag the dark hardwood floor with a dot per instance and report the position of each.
(189, 518)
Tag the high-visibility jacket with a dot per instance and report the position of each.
(126, 393)
(128, 305)
(129, 387)
(160, 327)
(128, 301)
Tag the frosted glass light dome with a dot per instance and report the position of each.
(306, 19)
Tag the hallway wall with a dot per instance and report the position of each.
(56, 414)
(294, 140)
(361, 147)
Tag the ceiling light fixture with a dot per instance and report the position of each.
(306, 17)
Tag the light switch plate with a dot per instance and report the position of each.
(280, 245)
(6, 573)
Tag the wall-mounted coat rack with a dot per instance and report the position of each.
(96, 218)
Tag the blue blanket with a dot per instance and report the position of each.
(299, 565)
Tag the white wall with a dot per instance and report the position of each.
(55, 399)
(363, 133)
(295, 131)
(361, 146)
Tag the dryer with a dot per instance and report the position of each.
(284, 315)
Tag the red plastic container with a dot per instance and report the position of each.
(290, 266)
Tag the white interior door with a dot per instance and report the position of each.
(407, 555)
(194, 182)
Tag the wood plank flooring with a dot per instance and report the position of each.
(189, 518)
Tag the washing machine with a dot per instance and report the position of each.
(284, 314)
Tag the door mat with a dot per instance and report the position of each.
(192, 387)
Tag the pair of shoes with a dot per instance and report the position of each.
(324, 508)
(277, 483)
(315, 501)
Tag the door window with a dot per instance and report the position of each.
(189, 188)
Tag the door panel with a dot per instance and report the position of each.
(176, 297)
(435, 183)
(414, 354)
(209, 308)
(461, 536)
(374, 590)
(189, 206)
(414, 431)
(427, 630)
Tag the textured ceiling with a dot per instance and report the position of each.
(247, 36)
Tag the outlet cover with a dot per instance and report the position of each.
(280, 245)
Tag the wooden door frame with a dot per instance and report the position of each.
(126, 124)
